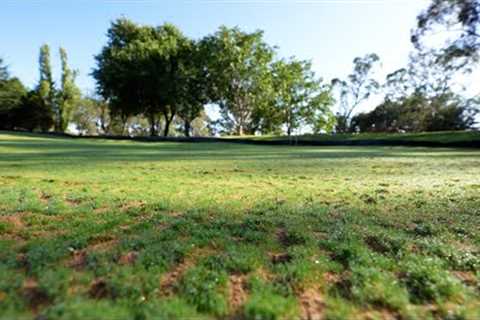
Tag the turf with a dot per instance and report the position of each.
(444, 137)
(95, 229)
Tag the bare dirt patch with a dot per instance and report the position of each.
(168, 281)
(15, 220)
(128, 259)
(466, 277)
(312, 304)
(33, 294)
(99, 289)
(237, 291)
(44, 197)
(278, 258)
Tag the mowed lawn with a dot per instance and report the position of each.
(94, 229)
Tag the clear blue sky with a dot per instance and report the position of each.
(329, 32)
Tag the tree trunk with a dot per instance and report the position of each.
(59, 123)
(153, 129)
(240, 130)
(187, 127)
(168, 121)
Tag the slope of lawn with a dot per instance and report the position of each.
(95, 229)
(435, 138)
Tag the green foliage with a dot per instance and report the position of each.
(359, 86)
(32, 114)
(370, 285)
(238, 66)
(299, 98)
(12, 93)
(144, 70)
(427, 281)
(265, 304)
(461, 49)
(68, 94)
(204, 288)
(46, 86)
(420, 98)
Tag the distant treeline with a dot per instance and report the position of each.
(154, 79)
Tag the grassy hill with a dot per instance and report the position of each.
(101, 229)
(433, 139)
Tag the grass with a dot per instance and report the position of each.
(96, 229)
(443, 137)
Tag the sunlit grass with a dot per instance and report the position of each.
(123, 230)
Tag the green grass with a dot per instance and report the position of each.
(428, 137)
(96, 229)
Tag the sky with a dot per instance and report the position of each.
(330, 33)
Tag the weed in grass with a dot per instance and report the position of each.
(265, 304)
(427, 281)
(206, 289)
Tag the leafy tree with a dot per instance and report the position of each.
(68, 95)
(20, 109)
(90, 116)
(194, 85)
(138, 71)
(4, 75)
(418, 98)
(12, 92)
(46, 87)
(179, 75)
(238, 65)
(356, 89)
(459, 20)
(33, 113)
(299, 97)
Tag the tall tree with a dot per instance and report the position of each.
(12, 93)
(300, 98)
(46, 87)
(421, 97)
(117, 70)
(238, 64)
(356, 89)
(458, 21)
(139, 71)
(68, 95)
(194, 85)
(172, 64)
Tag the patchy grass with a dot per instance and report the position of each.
(94, 229)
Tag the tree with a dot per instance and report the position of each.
(12, 92)
(299, 97)
(174, 74)
(33, 113)
(46, 87)
(138, 71)
(4, 75)
(459, 20)
(68, 95)
(90, 116)
(238, 66)
(194, 85)
(420, 97)
(356, 89)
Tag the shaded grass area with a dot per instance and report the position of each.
(468, 139)
(446, 139)
(93, 229)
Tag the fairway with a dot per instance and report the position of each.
(100, 229)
